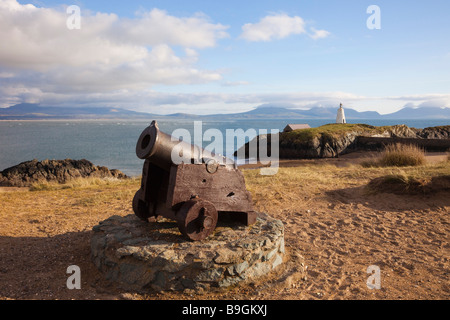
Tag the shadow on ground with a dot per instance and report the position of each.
(35, 268)
(389, 201)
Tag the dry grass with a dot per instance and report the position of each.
(398, 155)
(292, 188)
(82, 203)
(295, 187)
(399, 184)
(402, 155)
(76, 183)
(287, 191)
(298, 137)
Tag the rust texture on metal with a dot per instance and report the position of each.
(193, 192)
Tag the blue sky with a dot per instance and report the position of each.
(225, 56)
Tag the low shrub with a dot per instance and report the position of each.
(402, 155)
(398, 155)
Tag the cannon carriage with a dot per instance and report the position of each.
(189, 185)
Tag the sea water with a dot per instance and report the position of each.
(112, 143)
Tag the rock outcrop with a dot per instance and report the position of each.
(29, 172)
(332, 140)
(442, 132)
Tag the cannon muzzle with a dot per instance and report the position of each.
(164, 150)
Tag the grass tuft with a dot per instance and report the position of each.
(398, 155)
(402, 155)
(397, 184)
(78, 183)
(403, 184)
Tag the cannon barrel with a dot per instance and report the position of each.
(188, 184)
(162, 150)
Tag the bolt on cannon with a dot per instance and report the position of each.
(193, 190)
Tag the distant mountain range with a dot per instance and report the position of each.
(30, 111)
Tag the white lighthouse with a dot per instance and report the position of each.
(340, 118)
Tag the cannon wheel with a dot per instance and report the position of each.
(140, 208)
(197, 218)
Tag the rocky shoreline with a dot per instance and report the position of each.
(332, 140)
(61, 171)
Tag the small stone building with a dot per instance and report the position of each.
(292, 127)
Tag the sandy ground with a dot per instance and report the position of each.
(332, 237)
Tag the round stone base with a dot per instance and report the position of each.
(151, 256)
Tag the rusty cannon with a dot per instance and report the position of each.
(189, 185)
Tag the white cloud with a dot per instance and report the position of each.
(38, 38)
(278, 26)
(235, 83)
(6, 75)
(164, 102)
(423, 97)
(148, 100)
(108, 53)
(426, 100)
(319, 34)
(157, 27)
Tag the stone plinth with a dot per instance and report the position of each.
(154, 256)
